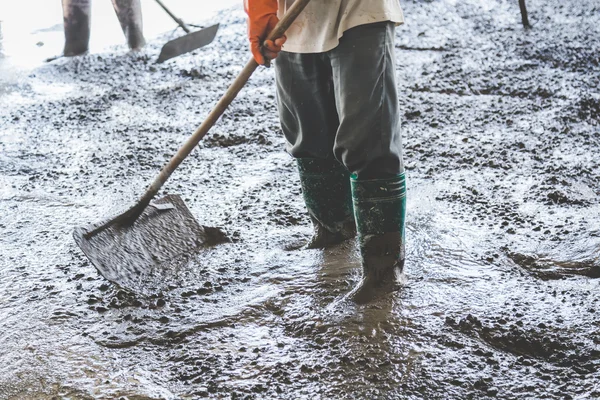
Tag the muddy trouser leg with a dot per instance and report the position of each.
(368, 142)
(309, 121)
(368, 139)
(129, 13)
(76, 20)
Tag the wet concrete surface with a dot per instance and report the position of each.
(501, 299)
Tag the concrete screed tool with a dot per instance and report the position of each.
(190, 42)
(151, 233)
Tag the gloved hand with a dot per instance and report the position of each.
(262, 18)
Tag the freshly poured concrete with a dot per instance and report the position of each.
(501, 299)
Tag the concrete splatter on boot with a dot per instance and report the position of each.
(379, 209)
(76, 20)
(129, 13)
(326, 192)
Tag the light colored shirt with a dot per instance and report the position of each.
(323, 22)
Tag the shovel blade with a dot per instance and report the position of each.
(164, 231)
(187, 43)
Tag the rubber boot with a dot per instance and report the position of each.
(76, 20)
(326, 191)
(379, 210)
(129, 13)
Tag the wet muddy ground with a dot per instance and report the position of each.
(502, 134)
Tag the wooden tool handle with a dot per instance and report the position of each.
(285, 22)
(288, 19)
(221, 106)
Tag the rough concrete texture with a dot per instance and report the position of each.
(501, 129)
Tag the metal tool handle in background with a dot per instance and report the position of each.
(178, 20)
(221, 106)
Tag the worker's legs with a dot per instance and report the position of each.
(326, 191)
(306, 102)
(129, 13)
(309, 121)
(379, 209)
(368, 143)
(76, 20)
(368, 140)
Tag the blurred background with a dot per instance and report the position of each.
(32, 31)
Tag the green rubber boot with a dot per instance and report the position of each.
(379, 210)
(326, 191)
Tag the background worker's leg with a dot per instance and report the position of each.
(129, 13)
(368, 142)
(76, 20)
(309, 121)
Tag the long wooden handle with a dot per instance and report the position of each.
(178, 20)
(221, 106)
(288, 19)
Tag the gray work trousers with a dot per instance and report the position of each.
(343, 103)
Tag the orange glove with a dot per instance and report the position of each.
(262, 18)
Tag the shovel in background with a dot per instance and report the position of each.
(187, 43)
(149, 234)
